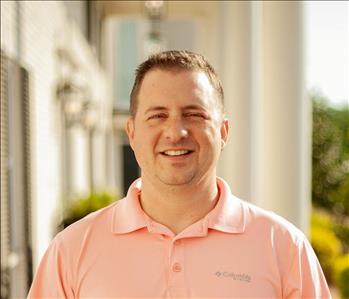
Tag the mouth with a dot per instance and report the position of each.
(176, 153)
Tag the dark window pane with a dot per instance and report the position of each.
(130, 167)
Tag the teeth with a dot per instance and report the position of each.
(176, 153)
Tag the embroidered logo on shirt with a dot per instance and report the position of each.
(235, 276)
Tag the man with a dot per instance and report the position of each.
(179, 232)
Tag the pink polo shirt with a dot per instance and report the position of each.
(236, 251)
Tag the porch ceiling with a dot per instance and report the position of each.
(172, 8)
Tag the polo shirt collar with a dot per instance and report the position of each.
(128, 215)
(227, 216)
(229, 213)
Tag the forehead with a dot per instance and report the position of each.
(173, 86)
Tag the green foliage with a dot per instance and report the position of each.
(330, 156)
(340, 197)
(341, 275)
(330, 190)
(341, 118)
(325, 243)
(81, 207)
(321, 219)
(341, 229)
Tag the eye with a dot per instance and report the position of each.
(196, 115)
(157, 116)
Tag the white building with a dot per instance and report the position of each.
(66, 71)
(54, 125)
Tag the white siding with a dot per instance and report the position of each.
(45, 27)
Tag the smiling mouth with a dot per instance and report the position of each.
(174, 153)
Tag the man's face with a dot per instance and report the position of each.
(178, 131)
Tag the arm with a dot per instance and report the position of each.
(51, 279)
(305, 278)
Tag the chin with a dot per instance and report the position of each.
(177, 180)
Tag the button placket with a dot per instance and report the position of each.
(177, 266)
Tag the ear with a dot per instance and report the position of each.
(130, 130)
(224, 132)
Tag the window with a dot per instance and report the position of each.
(16, 269)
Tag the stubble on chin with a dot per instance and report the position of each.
(176, 180)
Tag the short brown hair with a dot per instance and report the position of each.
(182, 60)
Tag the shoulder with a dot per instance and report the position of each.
(267, 223)
(95, 224)
(276, 239)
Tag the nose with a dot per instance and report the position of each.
(175, 130)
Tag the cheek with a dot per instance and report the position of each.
(212, 134)
(214, 141)
(145, 140)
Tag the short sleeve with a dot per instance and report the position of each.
(305, 278)
(52, 278)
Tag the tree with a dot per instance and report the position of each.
(330, 156)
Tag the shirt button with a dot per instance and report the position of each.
(176, 267)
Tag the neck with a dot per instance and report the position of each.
(177, 207)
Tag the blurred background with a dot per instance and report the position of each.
(67, 68)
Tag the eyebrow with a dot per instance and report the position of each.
(162, 108)
(194, 107)
(155, 108)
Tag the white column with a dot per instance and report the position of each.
(284, 122)
(235, 70)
